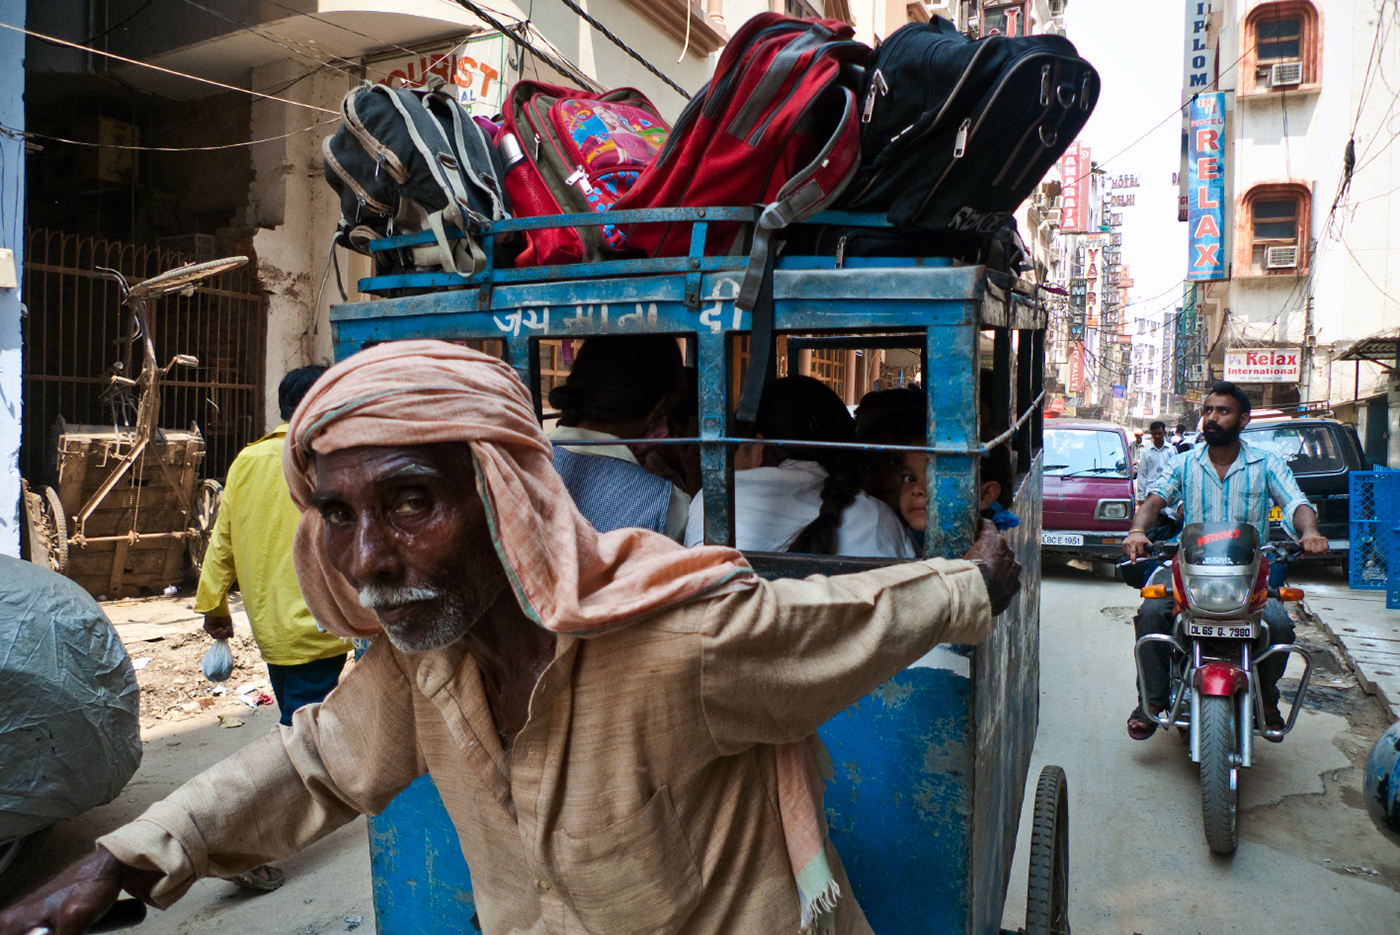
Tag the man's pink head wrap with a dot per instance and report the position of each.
(567, 576)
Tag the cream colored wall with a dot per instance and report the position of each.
(295, 212)
(1302, 137)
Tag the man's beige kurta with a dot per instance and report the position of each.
(640, 797)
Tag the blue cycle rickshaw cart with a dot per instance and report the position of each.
(931, 767)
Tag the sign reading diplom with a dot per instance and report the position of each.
(1267, 365)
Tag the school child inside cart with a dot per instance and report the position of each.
(995, 493)
(793, 499)
(619, 387)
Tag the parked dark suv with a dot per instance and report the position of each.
(1321, 454)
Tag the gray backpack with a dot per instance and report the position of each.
(405, 161)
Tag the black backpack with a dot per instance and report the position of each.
(957, 132)
(405, 161)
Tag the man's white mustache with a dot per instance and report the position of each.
(379, 596)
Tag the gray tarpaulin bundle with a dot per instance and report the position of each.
(70, 737)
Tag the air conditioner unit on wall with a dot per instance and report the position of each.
(1281, 257)
(1285, 73)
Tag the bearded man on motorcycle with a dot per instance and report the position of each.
(1222, 481)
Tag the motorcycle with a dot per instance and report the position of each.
(1218, 580)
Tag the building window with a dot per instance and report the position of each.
(1282, 39)
(1276, 220)
(1279, 40)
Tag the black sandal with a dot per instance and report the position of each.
(1140, 726)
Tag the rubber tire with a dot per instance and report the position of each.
(1047, 896)
(1219, 754)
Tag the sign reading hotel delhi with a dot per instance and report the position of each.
(1074, 189)
(1205, 188)
(1264, 365)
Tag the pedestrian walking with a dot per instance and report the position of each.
(251, 544)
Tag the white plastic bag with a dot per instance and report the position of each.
(218, 662)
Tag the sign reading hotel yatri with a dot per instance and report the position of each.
(1205, 188)
(1263, 365)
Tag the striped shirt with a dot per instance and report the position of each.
(1256, 477)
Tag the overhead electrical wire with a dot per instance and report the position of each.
(113, 28)
(168, 71)
(282, 42)
(30, 134)
(608, 34)
(556, 60)
(341, 26)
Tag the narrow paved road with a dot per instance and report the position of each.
(1309, 859)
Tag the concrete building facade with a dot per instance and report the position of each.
(1312, 205)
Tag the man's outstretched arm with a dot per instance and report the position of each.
(346, 757)
(784, 658)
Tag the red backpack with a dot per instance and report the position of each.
(777, 125)
(576, 152)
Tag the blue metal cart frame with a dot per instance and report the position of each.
(931, 767)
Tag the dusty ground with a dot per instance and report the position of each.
(168, 635)
(1309, 858)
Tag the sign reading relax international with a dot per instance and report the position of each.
(1264, 365)
(1205, 188)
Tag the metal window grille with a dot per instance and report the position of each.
(77, 328)
(1375, 533)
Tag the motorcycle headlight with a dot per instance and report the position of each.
(1217, 595)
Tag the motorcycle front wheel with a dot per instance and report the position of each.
(1220, 793)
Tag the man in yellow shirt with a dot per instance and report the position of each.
(252, 545)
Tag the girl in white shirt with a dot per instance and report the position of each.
(809, 500)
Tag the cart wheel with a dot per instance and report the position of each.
(206, 511)
(1047, 899)
(60, 526)
(48, 528)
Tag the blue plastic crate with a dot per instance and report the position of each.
(1392, 585)
(1375, 514)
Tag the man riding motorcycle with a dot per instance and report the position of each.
(1224, 480)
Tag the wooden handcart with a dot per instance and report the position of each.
(125, 503)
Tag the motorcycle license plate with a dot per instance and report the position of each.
(1216, 631)
(1276, 514)
(1061, 538)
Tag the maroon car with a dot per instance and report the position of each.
(1088, 500)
